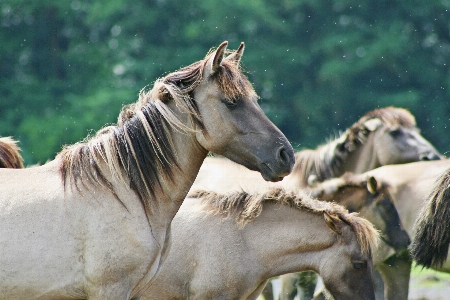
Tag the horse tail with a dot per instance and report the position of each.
(432, 227)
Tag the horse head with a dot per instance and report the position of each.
(349, 275)
(397, 138)
(371, 199)
(234, 124)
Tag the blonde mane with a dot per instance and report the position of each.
(9, 154)
(139, 150)
(245, 207)
(325, 161)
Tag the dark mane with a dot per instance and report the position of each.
(9, 154)
(325, 161)
(245, 207)
(139, 150)
(431, 229)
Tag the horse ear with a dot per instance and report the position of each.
(312, 180)
(372, 185)
(332, 222)
(373, 124)
(236, 56)
(218, 56)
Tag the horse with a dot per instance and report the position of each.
(372, 199)
(273, 233)
(432, 231)
(408, 186)
(10, 154)
(383, 136)
(94, 223)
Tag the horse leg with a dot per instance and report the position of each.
(307, 284)
(288, 286)
(396, 272)
(268, 291)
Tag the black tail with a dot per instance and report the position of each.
(432, 227)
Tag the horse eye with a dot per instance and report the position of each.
(395, 133)
(359, 265)
(230, 104)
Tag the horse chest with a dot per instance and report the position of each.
(125, 249)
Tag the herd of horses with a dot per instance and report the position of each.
(140, 211)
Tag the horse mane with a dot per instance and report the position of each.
(245, 207)
(139, 150)
(331, 186)
(9, 154)
(325, 160)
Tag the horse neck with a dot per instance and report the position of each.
(286, 240)
(168, 197)
(190, 156)
(362, 159)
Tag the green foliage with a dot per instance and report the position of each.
(68, 66)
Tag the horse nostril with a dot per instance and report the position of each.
(283, 156)
(424, 157)
(430, 156)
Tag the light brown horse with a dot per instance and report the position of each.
(9, 154)
(95, 222)
(408, 185)
(432, 227)
(382, 136)
(372, 199)
(228, 246)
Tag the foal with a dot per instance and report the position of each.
(229, 246)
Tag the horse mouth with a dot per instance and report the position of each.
(268, 174)
(430, 156)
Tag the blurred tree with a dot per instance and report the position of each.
(68, 66)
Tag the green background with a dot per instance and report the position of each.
(67, 67)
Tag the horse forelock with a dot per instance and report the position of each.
(232, 82)
(245, 207)
(9, 154)
(368, 237)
